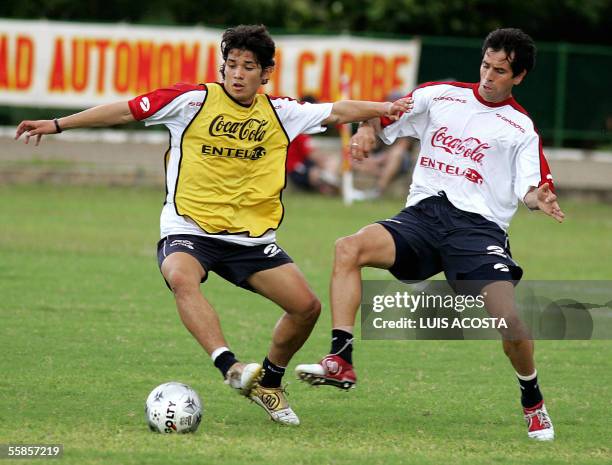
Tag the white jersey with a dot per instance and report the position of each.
(484, 156)
(176, 107)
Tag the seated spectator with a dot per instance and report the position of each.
(311, 171)
(386, 162)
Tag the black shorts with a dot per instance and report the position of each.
(435, 236)
(300, 176)
(233, 262)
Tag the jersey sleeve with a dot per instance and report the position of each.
(298, 118)
(532, 169)
(410, 124)
(163, 106)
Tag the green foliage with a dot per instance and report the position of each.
(552, 20)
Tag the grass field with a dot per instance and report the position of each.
(88, 329)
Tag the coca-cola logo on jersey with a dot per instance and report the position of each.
(470, 147)
(251, 129)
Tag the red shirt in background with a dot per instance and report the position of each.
(298, 151)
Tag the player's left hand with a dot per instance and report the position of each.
(363, 142)
(399, 107)
(547, 202)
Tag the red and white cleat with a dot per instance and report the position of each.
(332, 370)
(539, 425)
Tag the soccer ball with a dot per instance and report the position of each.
(173, 408)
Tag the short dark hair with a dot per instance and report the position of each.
(252, 37)
(513, 41)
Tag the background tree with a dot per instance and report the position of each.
(582, 21)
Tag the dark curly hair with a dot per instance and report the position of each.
(252, 37)
(513, 41)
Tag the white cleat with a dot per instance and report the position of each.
(274, 402)
(244, 377)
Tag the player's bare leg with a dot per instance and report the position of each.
(499, 300)
(371, 246)
(184, 274)
(286, 286)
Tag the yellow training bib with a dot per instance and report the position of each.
(232, 166)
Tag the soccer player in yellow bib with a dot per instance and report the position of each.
(225, 171)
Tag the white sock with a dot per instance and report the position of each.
(528, 377)
(218, 352)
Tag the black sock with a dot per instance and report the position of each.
(342, 345)
(273, 374)
(530, 392)
(224, 361)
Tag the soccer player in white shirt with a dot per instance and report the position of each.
(480, 155)
(225, 171)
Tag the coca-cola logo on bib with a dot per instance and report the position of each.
(469, 147)
(251, 129)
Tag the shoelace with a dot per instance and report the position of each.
(280, 389)
(543, 418)
(231, 377)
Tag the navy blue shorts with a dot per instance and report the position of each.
(435, 236)
(233, 262)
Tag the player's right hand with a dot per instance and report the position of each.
(399, 107)
(363, 142)
(35, 129)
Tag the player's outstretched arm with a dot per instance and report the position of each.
(543, 198)
(349, 111)
(103, 115)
